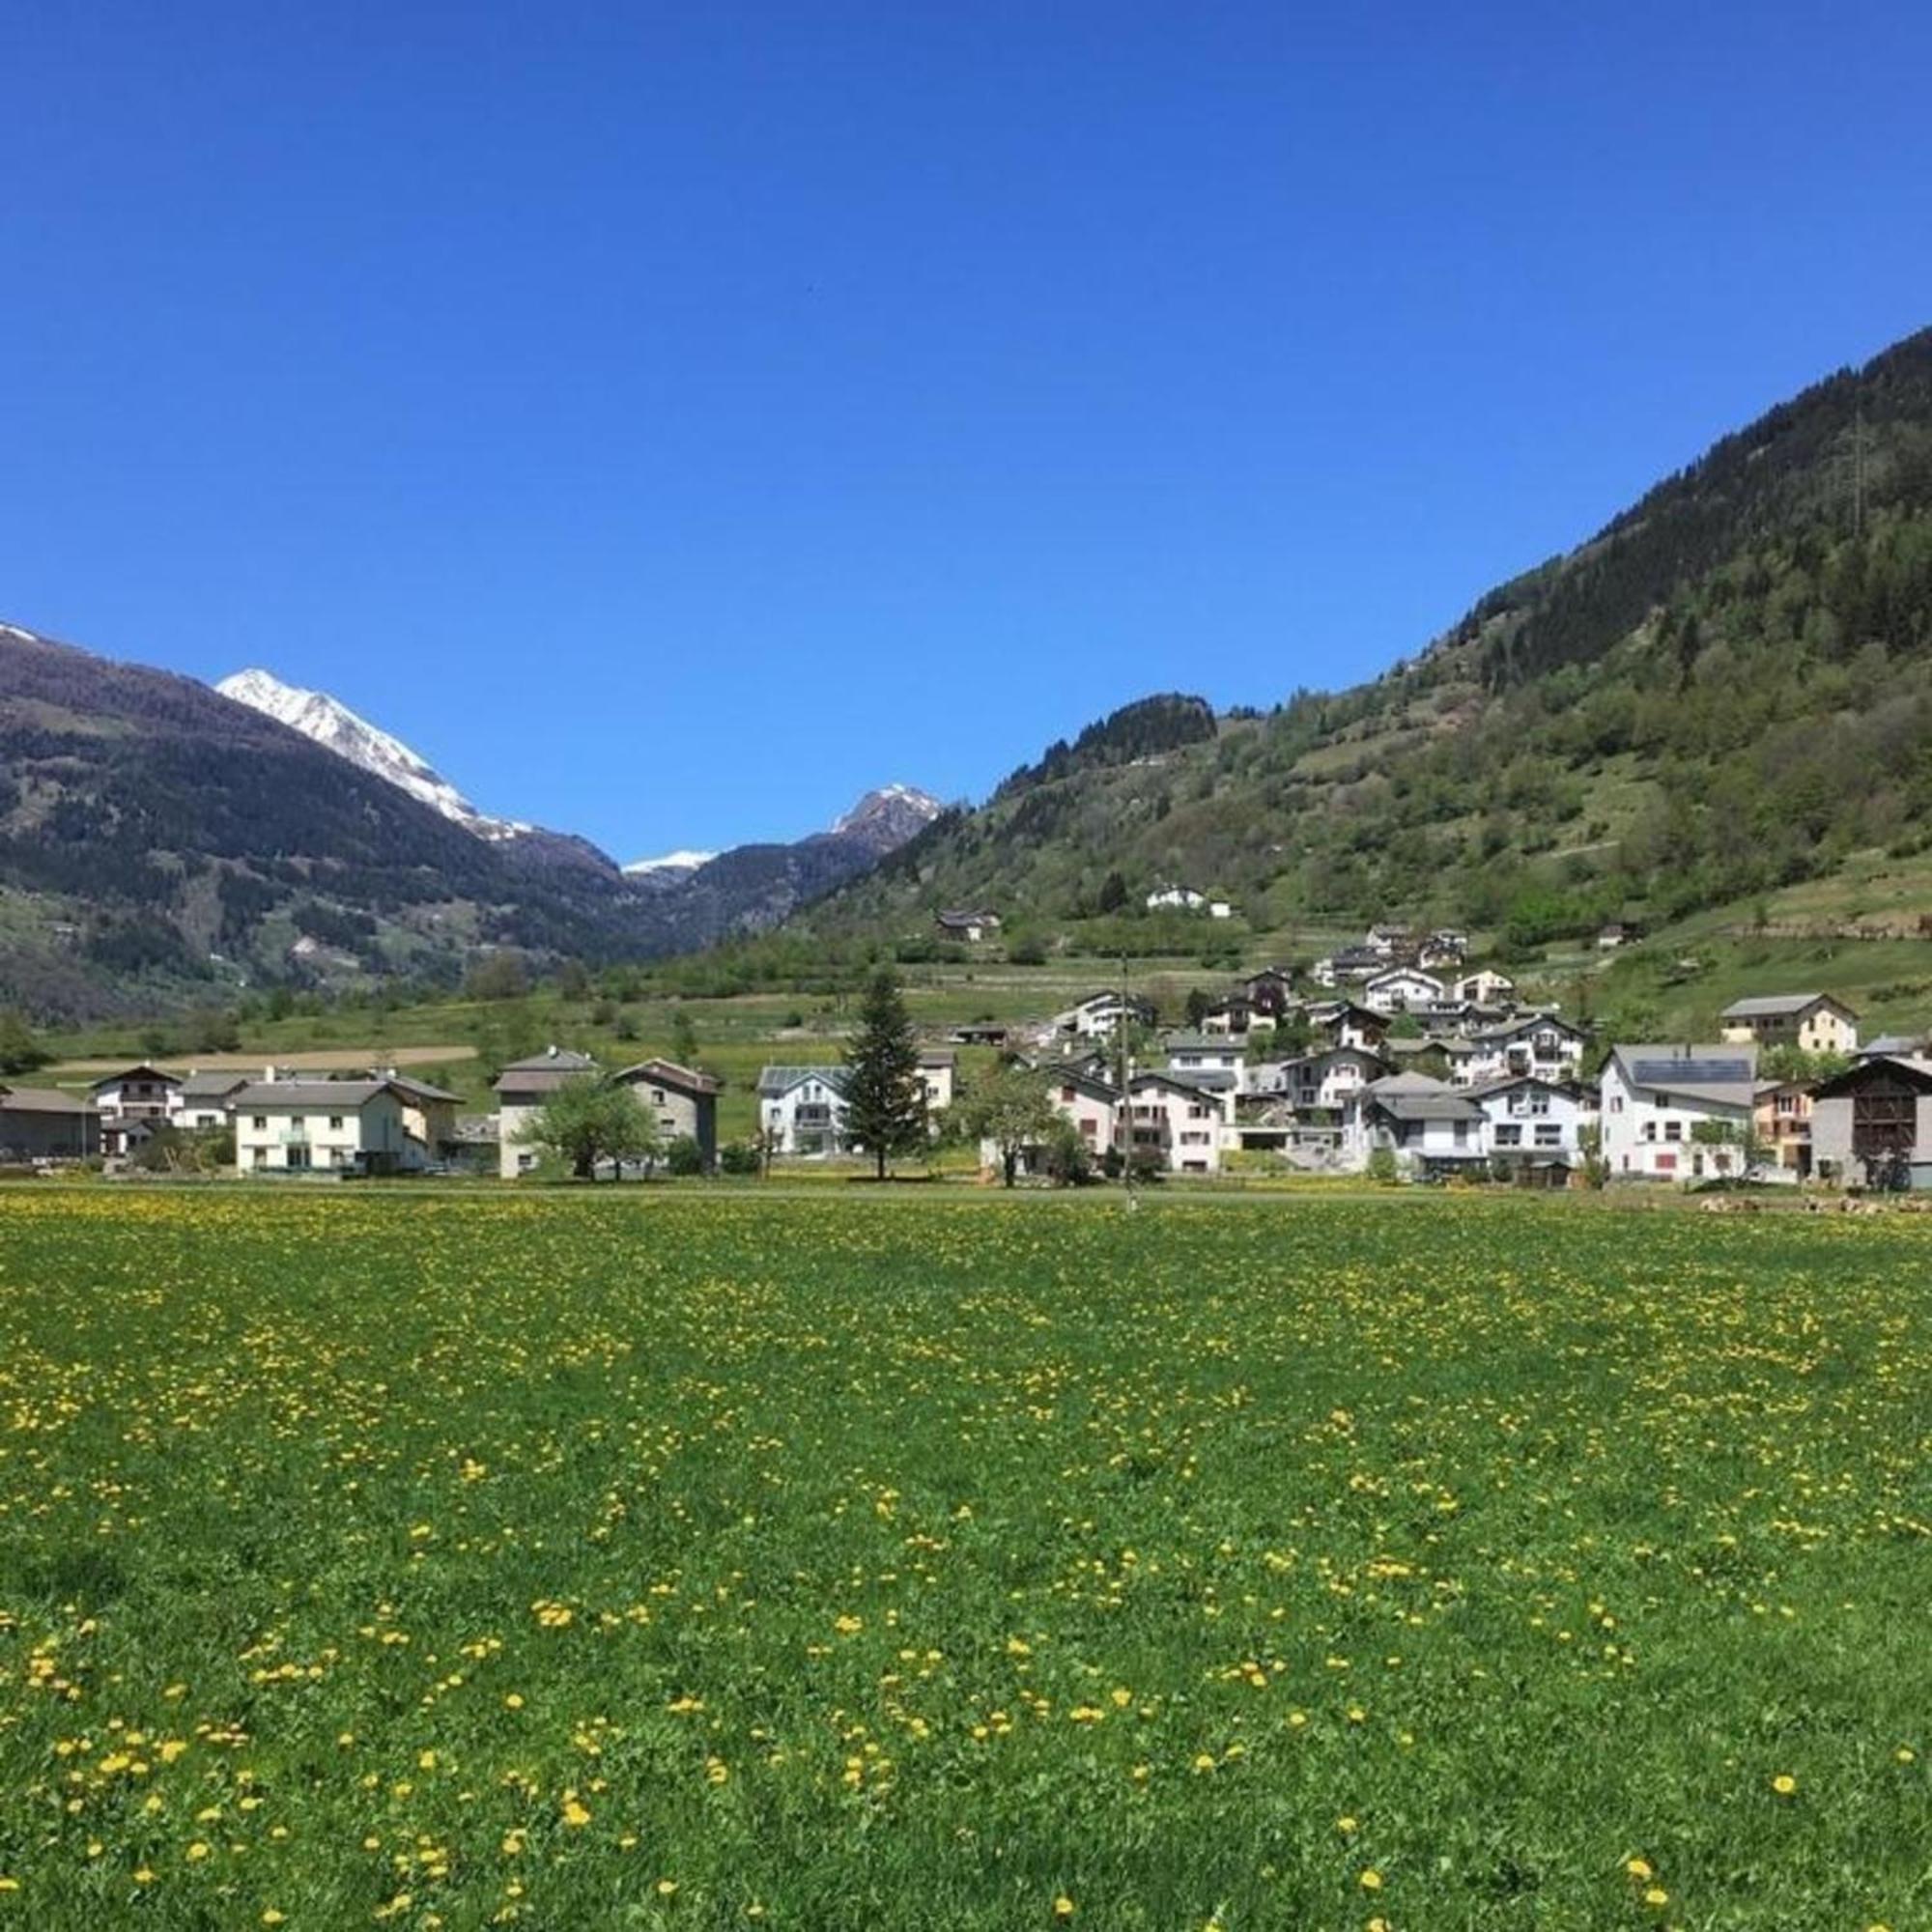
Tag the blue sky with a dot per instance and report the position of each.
(674, 419)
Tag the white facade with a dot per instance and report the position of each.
(1173, 898)
(1484, 987)
(1098, 1017)
(1656, 1104)
(1533, 1120)
(1427, 1125)
(1401, 989)
(1319, 1082)
(1179, 1123)
(802, 1110)
(1538, 1044)
(308, 1129)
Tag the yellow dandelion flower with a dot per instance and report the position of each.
(1639, 1868)
(1062, 1907)
(1371, 1880)
(1346, 1826)
(1657, 1896)
(1784, 1784)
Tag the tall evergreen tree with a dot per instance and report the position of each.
(885, 1106)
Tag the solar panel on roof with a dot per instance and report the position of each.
(1691, 1072)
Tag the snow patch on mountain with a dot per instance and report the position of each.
(667, 869)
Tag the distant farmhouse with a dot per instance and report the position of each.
(1811, 1022)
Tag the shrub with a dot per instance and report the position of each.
(684, 1156)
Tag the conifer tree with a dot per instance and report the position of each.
(885, 1106)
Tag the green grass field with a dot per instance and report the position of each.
(651, 1557)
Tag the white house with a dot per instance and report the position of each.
(129, 1103)
(1663, 1106)
(1099, 1014)
(319, 1125)
(1872, 1123)
(522, 1088)
(1536, 1120)
(971, 924)
(1484, 987)
(1348, 1025)
(1428, 1127)
(802, 1110)
(1538, 1044)
(1178, 1121)
(1321, 1082)
(1401, 989)
(1811, 1022)
(1221, 1055)
(937, 1069)
(1184, 898)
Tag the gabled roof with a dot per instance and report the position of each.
(1918, 1073)
(1721, 1075)
(268, 1097)
(1781, 1005)
(1201, 1042)
(1890, 1046)
(1075, 1073)
(42, 1100)
(669, 1073)
(775, 1080)
(146, 1070)
(1502, 1083)
(213, 1086)
(1443, 1106)
(416, 1089)
(1204, 1085)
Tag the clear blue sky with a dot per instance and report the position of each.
(675, 420)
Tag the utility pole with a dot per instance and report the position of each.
(1126, 1104)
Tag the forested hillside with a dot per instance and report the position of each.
(1728, 688)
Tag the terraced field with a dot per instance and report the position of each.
(653, 1558)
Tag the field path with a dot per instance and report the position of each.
(320, 1057)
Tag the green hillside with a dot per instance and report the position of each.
(1724, 696)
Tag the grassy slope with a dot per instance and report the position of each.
(595, 1559)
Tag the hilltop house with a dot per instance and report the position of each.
(336, 1126)
(522, 1088)
(1270, 992)
(1401, 989)
(1484, 987)
(1349, 966)
(40, 1123)
(970, 926)
(1347, 1024)
(1811, 1022)
(802, 1110)
(1872, 1124)
(1099, 1014)
(1677, 1112)
(682, 1102)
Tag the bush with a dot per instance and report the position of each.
(737, 1158)
(684, 1156)
(1381, 1166)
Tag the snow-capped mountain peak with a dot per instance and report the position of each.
(333, 725)
(887, 817)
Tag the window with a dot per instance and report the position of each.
(1509, 1137)
(657, 1097)
(1673, 1130)
(1549, 1135)
(260, 1123)
(1616, 1103)
(1666, 1163)
(336, 1124)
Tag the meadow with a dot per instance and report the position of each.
(650, 1557)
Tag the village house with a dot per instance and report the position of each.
(681, 1101)
(1534, 1121)
(1176, 898)
(1349, 966)
(1176, 1121)
(1320, 1083)
(1233, 1017)
(1345, 1023)
(938, 1071)
(1811, 1022)
(131, 1103)
(1088, 1099)
(42, 1124)
(971, 926)
(1538, 1044)
(429, 1113)
(1484, 987)
(1389, 942)
(1445, 947)
(1270, 992)
(1431, 1130)
(802, 1110)
(1401, 989)
(328, 1126)
(521, 1089)
(1209, 1060)
(1099, 1014)
(1781, 1121)
(982, 1032)
(1871, 1125)
(206, 1099)
(1678, 1113)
